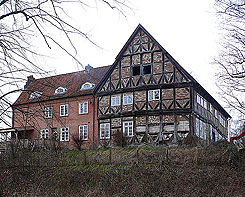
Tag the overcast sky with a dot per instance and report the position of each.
(188, 30)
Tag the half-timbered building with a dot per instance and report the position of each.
(148, 97)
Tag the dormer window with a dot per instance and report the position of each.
(87, 86)
(35, 95)
(60, 90)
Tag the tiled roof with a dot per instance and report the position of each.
(71, 81)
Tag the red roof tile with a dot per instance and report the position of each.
(71, 81)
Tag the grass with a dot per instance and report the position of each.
(64, 173)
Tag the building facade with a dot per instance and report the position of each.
(145, 97)
(149, 98)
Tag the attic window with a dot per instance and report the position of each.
(146, 69)
(136, 70)
(60, 90)
(87, 86)
(35, 95)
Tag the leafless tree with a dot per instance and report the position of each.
(231, 60)
(23, 20)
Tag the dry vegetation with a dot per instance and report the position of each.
(203, 171)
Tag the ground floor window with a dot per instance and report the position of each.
(105, 131)
(128, 128)
(54, 134)
(64, 134)
(83, 132)
(44, 134)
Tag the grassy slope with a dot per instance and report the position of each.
(187, 172)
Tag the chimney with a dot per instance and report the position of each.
(88, 68)
(29, 80)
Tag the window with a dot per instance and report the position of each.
(60, 90)
(198, 99)
(105, 131)
(115, 101)
(48, 112)
(64, 134)
(87, 86)
(35, 95)
(54, 133)
(204, 104)
(216, 113)
(146, 69)
(153, 95)
(64, 110)
(44, 134)
(83, 108)
(136, 70)
(197, 126)
(128, 128)
(127, 99)
(210, 108)
(83, 132)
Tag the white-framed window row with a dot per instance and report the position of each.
(35, 95)
(48, 112)
(127, 99)
(128, 129)
(154, 95)
(200, 129)
(64, 110)
(116, 100)
(105, 131)
(44, 134)
(64, 134)
(60, 90)
(222, 121)
(83, 107)
(201, 101)
(83, 132)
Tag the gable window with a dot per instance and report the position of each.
(105, 131)
(83, 107)
(60, 90)
(146, 69)
(87, 86)
(83, 132)
(64, 134)
(136, 70)
(48, 111)
(64, 110)
(153, 95)
(44, 134)
(127, 99)
(35, 95)
(128, 128)
(115, 101)
(54, 133)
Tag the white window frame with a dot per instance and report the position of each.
(83, 107)
(127, 99)
(83, 132)
(48, 112)
(44, 134)
(198, 99)
(104, 133)
(60, 90)
(115, 101)
(87, 86)
(152, 95)
(35, 95)
(64, 112)
(128, 128)
(64, 134)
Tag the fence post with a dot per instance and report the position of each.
(110, 158)
(196, 159)
(167, 156)
(137, 154)
(85, 157)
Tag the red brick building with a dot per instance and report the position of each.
(61, 106)
(144, 97)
